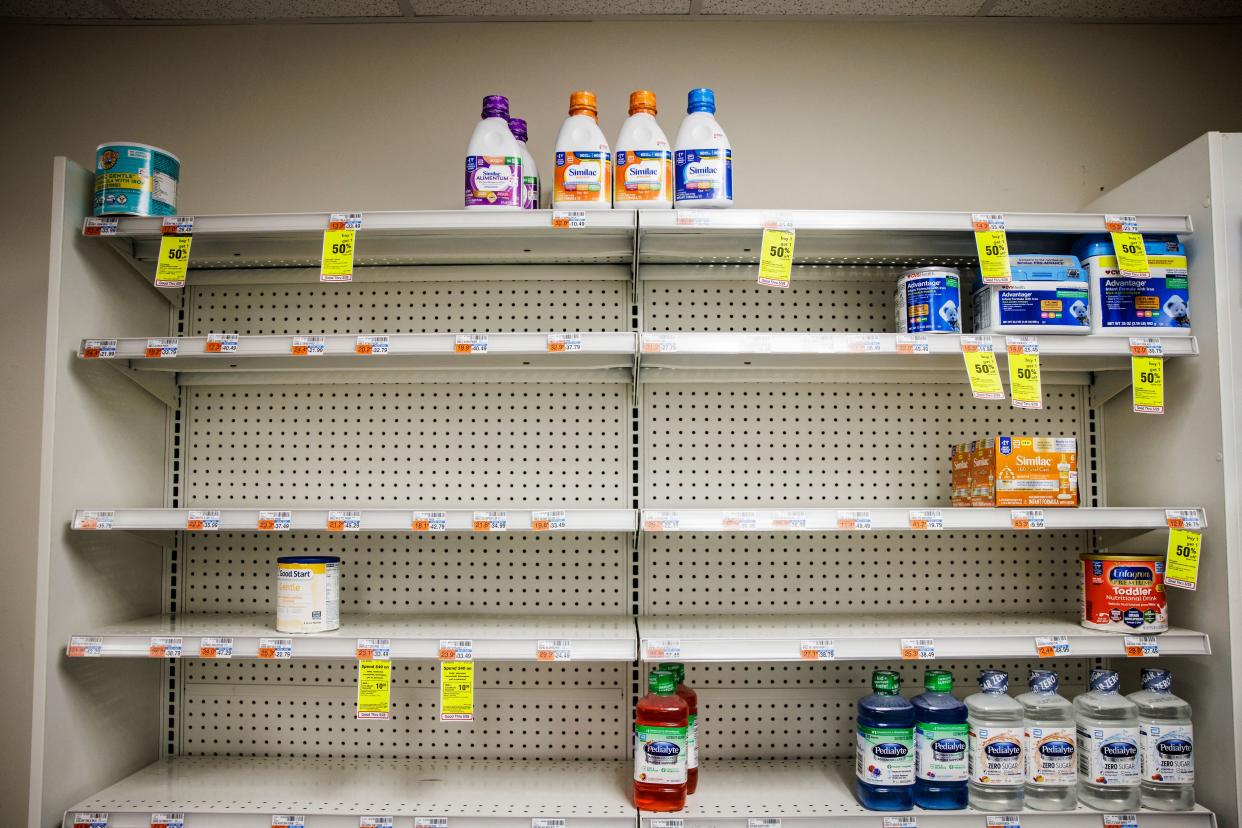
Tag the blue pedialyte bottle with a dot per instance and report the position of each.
(885, 757)
(942, 767)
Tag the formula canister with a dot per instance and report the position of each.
(1125, 306)
(308, 593)
(133, 179)
(1124, 593)
(929, 300)
(1032, 308)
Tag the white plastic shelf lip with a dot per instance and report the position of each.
(372, 520)
(494, 638)
(890, 221)
(794, 519)
(878, 638)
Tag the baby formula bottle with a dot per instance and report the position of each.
(940, 739)
(583, 174)
(494, 161)
(1108, 745)
(703, 156)
(997, 769)
(692, 733)
(884, 761)
(530, 173)
(1051, 771)
(1166, 744)
(660, 723)
(644, 174)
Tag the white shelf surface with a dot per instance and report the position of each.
(494, 637)
(371, 520)
(869, 637)
(821, 793)
(744, 519)
(243, 792)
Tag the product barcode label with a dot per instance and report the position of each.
(90, 820)
(84, 646)
(789, 520)
(552, 649)
(656, 649)
(278, 648)
(569, 220)
(654, 343)
(375, 822)
(855, 520)
(1027, 519)
(167, 820)
(541, 822)
(93, 520)
(1141, 646)
(913, 344)
(667, 823)
(1120, 820)
(371, 345)
(547, 520)
(98, 349)
(817, 649)
(899, 822)
(164, 647)
(367, 649)
(923, 519)
(345, 221)
(308, 346)
(863, 344)
(763, 822)
(661, 521)
(430, 822)
(739, 521)
(275, 521)
(1004, 821)
(491, 521)
(100, 226)
(470, 343)
(1184, 519)
(429, 522)
(339, 521)
(1146, 346)
(1052, 646)
(559, 343)
(221, 343)
(288, 821)
(177, 225)
(913, 649)
(215, 648)
(203, 520)
(461, 649)
(161, 348)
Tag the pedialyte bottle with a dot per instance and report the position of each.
(643, 175)
(703, 156)
(692, 733)
(1166, 744)
(997, 768)
(884, 760)
(1051, 768)
(940, 740)
(530, 173)
(494, 161)
(583, 173)
(661, 720)
(1108, 745)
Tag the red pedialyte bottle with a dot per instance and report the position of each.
(692, 735)
(661, 721)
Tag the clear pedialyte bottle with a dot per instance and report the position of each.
(1108, 745)
(884, 761)
(1051, 767)
(1166, 744)
(997, 767)
(941, 735)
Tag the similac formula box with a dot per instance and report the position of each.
(1126, 306)
(982, 492)
(1031, 471)
(959, 461)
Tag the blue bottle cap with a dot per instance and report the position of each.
(702, 100)
(1043, 681)
(1161, 681)
(1105, 681)
(994, 681)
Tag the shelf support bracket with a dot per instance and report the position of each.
(1108, 384)
(161, 385)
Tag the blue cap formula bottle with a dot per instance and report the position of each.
(703, 156)
(884, 761)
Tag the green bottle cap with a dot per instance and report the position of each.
(886, 682)
(662, 683)
(676, 668)
(938, 681)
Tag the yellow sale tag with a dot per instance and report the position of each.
(1128, 244)
(457, 691)
(985, 381)
(1025, 388)
(174, 260)
(337, 259)
(993, 247)
(1148, 380)
(776, 258)
(374, 688)
(1181, 565)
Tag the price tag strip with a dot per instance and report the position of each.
(552, 520)
(489, 521)
(275, 520)
(1147, 374)
(739, 521)
(1025, 387)
(553, 649)
(165, 348)
(1006, 821)
(1184, 519)
(899, 822)
(167, 820)
(1128, 245)
(366, 649)
(221, 343)
(660, 649)
(569, 219)
(288, 821)
(280, 649)
(817, 649)
(913, 344)
(377, 822)
(430, 822)
(98, 349)
(84, 646)
(776, 257)
(429, 522)
(371, 345)
(337, 258)
(855, 520)
(1052, 646)
(656, 343)
(1141, 646)
(459, 649)
(1181, 565)
(164, 647)
(917, 649)
(1120, 820)
(1027, 519)
(925, 519)
(203, 520)
(470, 343)
(789, 521)
(374, 688)
(215, 648)
(100, 226)
(308, 346)
(763, 822)
(993, 247)
(667, 823)
(90, 820)
(981, 370)
(563, 343)
(94, 520)
(457, 691)
(661, 521)
(174, 257)
(341, 521)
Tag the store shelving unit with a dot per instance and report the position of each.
(677, 484)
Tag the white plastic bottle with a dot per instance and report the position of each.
(703, 156)
(530, 173)
(643, 175)
(997, 769)
(1166, 744)
(1108, 745)
(583, 173)
(493, 161)
(1051, 771)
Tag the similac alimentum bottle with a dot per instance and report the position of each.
(583, 173)
(941, 765)
(1166, 744)
(530, 173)
(1051, 770)
(692, 732)
(643, 178)
(1108, 745)
(997, 768)
(493, 161)
(884, 760)
(661, 720)
(703, 156)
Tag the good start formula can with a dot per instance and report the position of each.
(1124, 593)
(308, 593)
(929, 300)
(133, 179)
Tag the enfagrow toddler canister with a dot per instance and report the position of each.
(134, 179)
(1124, 593)
(308, 593)
(929, 300)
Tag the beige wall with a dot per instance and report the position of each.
(975, 115)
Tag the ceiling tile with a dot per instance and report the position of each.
(853, 8)
(258, 9)
(1118, 9)
(548, 8)
(64, 9)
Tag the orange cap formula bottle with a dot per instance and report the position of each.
(582, 174)
(644, 170)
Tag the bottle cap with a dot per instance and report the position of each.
(496, 106)
(1160, 681)
(702, 100)
(676, 668)
(1105, 681)
(1043, 681)
(885, 682)
(642, 100)
(583, 103)
(518, 127)
(661, 682)
(995, 682)
(938, 681)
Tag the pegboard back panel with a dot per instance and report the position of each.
(397, 445)
(504, 574)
